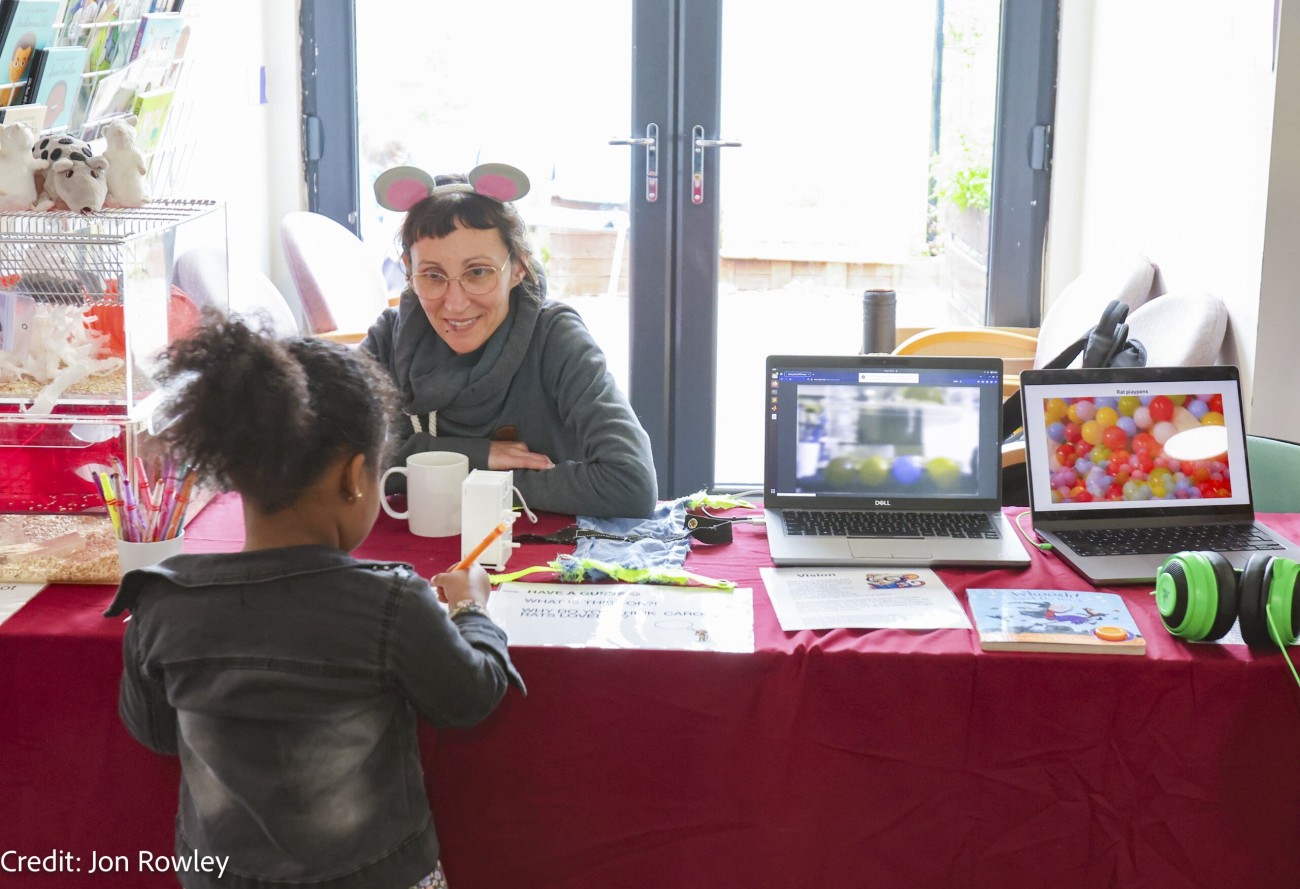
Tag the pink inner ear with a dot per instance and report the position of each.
(501, 188)
(404, 193)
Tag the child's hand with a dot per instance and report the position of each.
(472, 583)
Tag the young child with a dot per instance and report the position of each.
(288, 676)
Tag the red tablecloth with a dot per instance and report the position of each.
(838, 758)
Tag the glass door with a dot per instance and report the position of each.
(867, 134)
(770, 161)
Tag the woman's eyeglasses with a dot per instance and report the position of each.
(476, 280)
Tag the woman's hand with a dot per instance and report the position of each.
(515, 455)
(454, 586)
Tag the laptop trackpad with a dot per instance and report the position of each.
(891, 547)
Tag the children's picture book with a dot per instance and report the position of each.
(28, 25)
(111, 95)
(1054, 620)
(157, 35)
(150, 110)
(56, 77)
(32, 115)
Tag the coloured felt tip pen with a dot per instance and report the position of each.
(487, 541)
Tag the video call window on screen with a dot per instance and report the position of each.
(887, 440)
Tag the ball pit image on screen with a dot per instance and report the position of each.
(1113, 448)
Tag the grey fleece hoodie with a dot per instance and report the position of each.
(540, 379)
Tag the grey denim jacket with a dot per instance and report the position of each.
(289, 683)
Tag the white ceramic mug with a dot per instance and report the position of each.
(433, 480)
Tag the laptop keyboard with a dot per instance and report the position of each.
(1140, 541)
(840, 523)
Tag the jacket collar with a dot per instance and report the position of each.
(232, 569)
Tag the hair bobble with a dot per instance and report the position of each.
(401, 188)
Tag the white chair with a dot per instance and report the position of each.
(203, 274)
(338, 279)
(1180, 329)
(1127, 277)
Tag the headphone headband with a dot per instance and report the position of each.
(401, 188)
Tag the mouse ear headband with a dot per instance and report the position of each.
(401, 188)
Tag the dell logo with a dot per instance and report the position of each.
(882, 503)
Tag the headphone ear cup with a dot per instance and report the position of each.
(1196, 595)
(1116, 343)
(1104, 340)
(1253, 594)
(1098, 349)
(1268, 609)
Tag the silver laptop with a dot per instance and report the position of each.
(885, 460)
(1129, 465)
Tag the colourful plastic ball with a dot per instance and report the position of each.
(944, 471)
(842, 472)
(907, 470)
(874, 470)
(1114, 437)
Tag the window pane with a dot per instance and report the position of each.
(855, 159)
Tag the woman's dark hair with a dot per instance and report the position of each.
(266, 417)
(442, 212)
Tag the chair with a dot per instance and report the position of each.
(1180, 329)
(203, 274)
(1127, 277)
(1016, 348)
(1274, 473)
(337, 278)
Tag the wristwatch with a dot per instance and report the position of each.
(466, 606)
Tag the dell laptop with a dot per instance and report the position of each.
(882, 460)
(1129, 465)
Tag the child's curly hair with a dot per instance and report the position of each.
(266, 417)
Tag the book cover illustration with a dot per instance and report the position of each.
(55, 83)
(1054, 620)
(32, 115)
(150, 110)
(29, 26)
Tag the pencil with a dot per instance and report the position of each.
(487, 541)
(110, 501)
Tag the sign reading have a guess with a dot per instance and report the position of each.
(625, 616)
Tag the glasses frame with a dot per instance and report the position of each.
(432, 277)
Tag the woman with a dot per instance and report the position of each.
(487, 367)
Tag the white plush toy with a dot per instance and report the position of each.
(127, 186)
(18, 167)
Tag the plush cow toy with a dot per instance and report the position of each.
(75, 178)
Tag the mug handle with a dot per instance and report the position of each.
(383, 501)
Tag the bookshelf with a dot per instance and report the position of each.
(124, 72)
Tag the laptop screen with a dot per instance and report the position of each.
(1124, 441)
(883, 432)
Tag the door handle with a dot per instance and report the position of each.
(651, 143)
(698, 144)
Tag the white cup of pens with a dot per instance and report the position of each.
(148, 516)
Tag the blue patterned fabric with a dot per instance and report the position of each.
(666, 544)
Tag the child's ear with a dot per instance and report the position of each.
(353, 479)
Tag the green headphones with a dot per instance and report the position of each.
(1199, 595)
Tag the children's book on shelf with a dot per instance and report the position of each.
(150, 110)
(157, 35)
(1054, 620)
(55, 79)
(26, 26)
(32, 115)
(109, 95)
